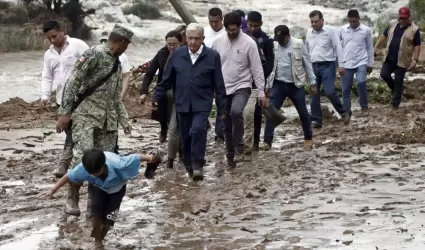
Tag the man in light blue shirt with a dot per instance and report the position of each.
(324, 47)
(291, 70)
(108, 173)
(357, 45)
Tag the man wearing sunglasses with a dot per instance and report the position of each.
(401, 52)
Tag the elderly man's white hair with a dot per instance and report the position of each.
(195, 27)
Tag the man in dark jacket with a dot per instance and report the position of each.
(195, 72)
(173, 40)
(265, 44)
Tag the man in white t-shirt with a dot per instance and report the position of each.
(59, 61)
(215, 18)
(125, 65)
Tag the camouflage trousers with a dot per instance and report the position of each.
(86, 138)
(252, 123)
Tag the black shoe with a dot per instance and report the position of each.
(197, 175)
(151, 167)
(170, 163)
(189, 170)
(256, 147)
(316, 125)
(231, 163)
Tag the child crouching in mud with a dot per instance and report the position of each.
(109, 173)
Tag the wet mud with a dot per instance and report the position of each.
(361, 187)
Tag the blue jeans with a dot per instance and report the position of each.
(193, 128)
(396, 84)
(278, 94)
(347, 83)
(325, 75)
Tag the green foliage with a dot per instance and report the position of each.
(15, 38)
(143, 11)
(13, 14)
(417, 8)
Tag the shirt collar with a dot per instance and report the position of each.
(67, 41)
(197, 53)
(358, 28)
(111, 174)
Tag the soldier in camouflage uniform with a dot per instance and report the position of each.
(95, 120)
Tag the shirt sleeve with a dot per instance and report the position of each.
(417, 39)
(78, 174)
(386, 31)
(256, 68)
(308, 66)
(82, 48)
(125, 64)
(336, 42)
(46, 78)
(130, 166)
(369, 48)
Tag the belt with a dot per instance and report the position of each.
(323, 63)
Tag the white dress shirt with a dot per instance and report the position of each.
(210, 35)
(194, 56)
(357, 46)
(58, 67)
(325, 45)
(125, 64)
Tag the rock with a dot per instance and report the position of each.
(134, 20)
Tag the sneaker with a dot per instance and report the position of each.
(189, 171)
(162, 137)
(256, 147)
(308, 144)
(239, 158)
(170, 163)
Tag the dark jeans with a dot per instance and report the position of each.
(163, 115)
(347, 83)
(219, 126)
(193, 128)
(234, 122)
(258, 120)
(396, 84)
(278, 94)
(325, 75)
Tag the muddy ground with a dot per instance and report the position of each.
(360, 188)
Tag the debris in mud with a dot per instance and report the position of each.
(293, 239)
(29, 145)
(347, 243)
(248, 230)
(203, 207)
(348, 232)
(252, 194)
(6, 237)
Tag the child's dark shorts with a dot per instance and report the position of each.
(106, 206)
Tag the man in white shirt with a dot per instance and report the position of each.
(59, 61)
(357, 44)
(215, 18)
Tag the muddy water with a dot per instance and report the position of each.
(360, 188)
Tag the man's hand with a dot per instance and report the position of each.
(44, 103)
(63, 123)
(340, 71)
(412, 65)
(369, 70)
(143, 98)
(127, 129)
(262, 101)
(313, 90)
(267, 92)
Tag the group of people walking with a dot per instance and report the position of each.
(232, 62)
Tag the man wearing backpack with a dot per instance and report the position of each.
(98, 110)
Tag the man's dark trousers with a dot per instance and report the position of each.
(193, 128)
(396, 84)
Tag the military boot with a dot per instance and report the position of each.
(71, 206)
(64, 162)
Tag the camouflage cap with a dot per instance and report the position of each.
(124, 32)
